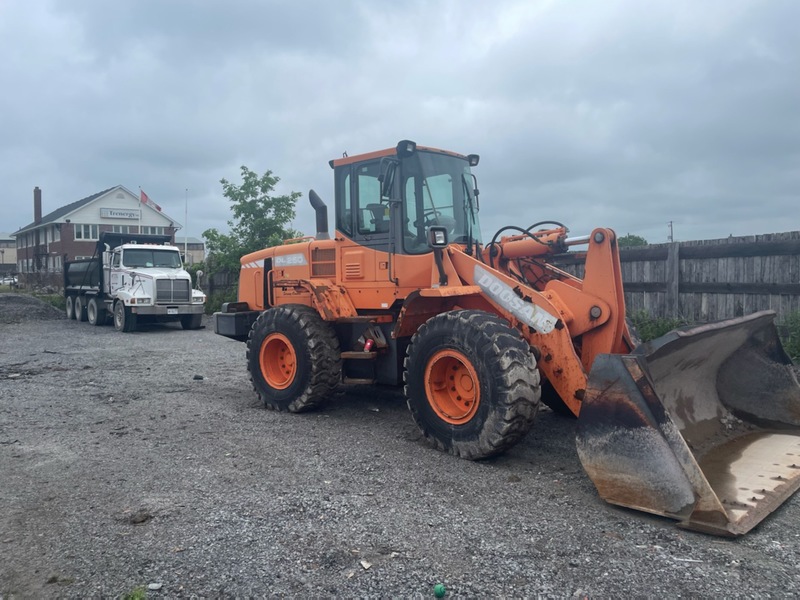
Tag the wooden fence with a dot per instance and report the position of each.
(698, 281)
(708, 280)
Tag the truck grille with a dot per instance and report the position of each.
(169, 291)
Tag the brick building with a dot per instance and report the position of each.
(72, 231)
(8, 254)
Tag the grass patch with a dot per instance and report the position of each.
(56, 300)
(790, 335)
(137, 593)
(650, 328)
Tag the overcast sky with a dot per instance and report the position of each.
(623, 114)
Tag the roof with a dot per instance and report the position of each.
(8, 236)
(190, 240)
(346, 160)
(64, 210)
(56, 215)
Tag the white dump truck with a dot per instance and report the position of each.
(131, 279)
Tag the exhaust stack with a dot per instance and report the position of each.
(322, 215)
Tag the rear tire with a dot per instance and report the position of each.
(80, 308)
(294, 359)
(471, 383)
(70, 307)
(95, 312)
(124, 319)
(192, 321)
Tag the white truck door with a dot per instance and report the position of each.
(115, 277)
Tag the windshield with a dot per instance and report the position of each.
(141, 257)
(437, 189)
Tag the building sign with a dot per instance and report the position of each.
(119, 213)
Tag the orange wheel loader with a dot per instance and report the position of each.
(701, 425)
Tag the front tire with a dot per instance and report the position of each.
(124, 319)
(293, 357)
(471, 383)
(95, 312)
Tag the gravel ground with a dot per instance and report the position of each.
(145, 459)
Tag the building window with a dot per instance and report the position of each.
(151, 230)
(122, 229)
(56, 233)
(86, 232)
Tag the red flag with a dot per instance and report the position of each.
(145, 199)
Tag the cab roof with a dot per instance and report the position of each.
(347, 160)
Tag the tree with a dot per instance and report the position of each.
(631, 241)
(260, 220)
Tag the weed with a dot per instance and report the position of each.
(56, 300)
(790, 335)
(137, 593)
(649, 328)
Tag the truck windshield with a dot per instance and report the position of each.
(437, 189)
(141, 257)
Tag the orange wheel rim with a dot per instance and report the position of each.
(452, 386)
(278, 361)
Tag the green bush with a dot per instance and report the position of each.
(650, 328)
(217, 299)
(790, 335)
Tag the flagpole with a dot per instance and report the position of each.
(140, 210)
(185, 228)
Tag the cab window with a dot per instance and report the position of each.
(372, 215)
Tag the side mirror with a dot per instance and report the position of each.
(437, 236)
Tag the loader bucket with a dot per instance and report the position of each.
(701, 425)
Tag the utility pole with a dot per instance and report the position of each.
(669, 236)
(185, 230)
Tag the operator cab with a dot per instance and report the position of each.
(389, 199)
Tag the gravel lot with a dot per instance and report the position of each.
(145, 459)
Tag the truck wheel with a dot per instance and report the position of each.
(80, 308)
(95, 313)
(70, 302)
(293, 357)
(124, 319)
(192, 321)
(471, 383)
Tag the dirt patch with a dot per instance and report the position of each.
(145, 459)
(18, 308)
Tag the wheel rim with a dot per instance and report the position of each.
(91, 311)
(452, 386)
(119, 316)
(278, 361)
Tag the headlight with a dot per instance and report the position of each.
(140, 301)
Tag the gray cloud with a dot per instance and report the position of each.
(620, 114)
